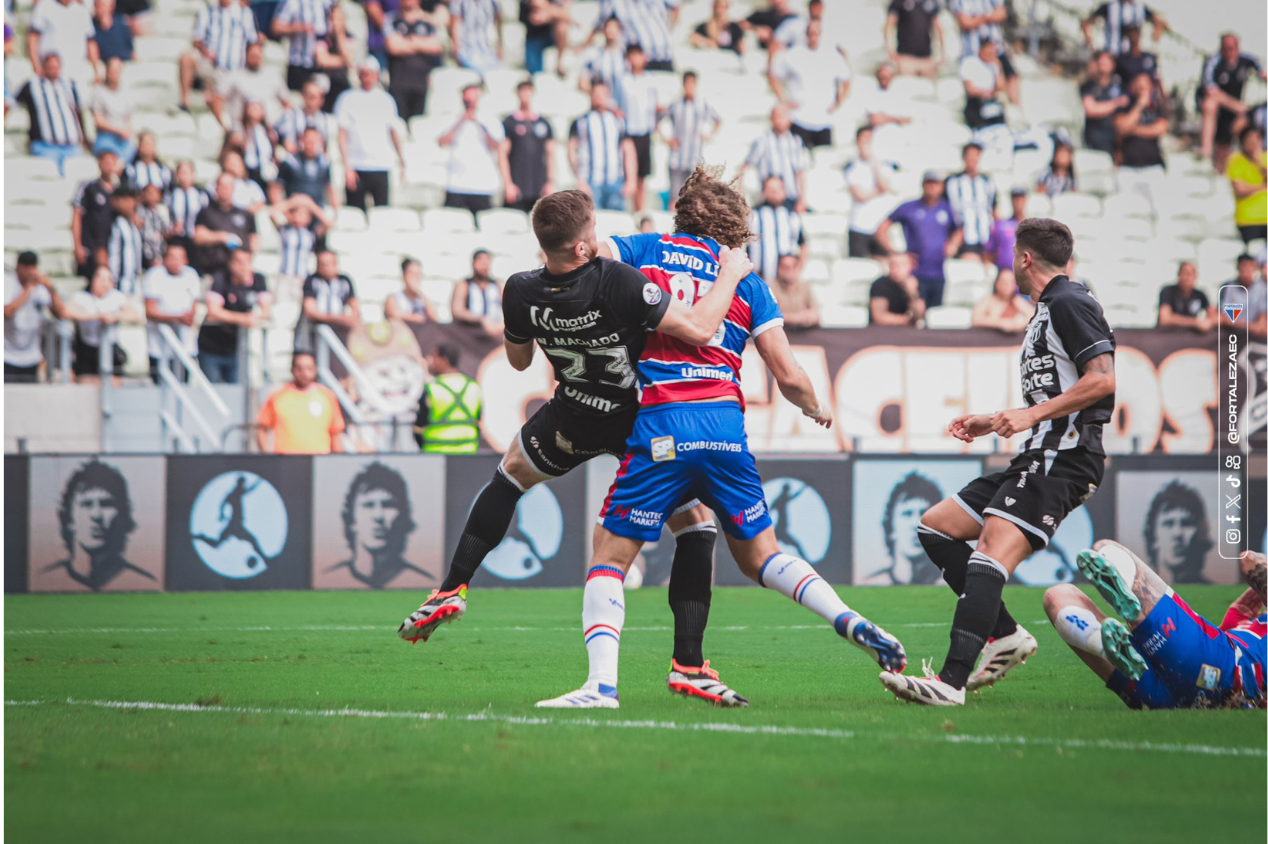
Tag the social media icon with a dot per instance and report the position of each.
(1232, 536)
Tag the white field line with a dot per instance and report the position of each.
(666, 726)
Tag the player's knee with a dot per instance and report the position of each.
(517, 467)
(691, 517)
(1058, 597)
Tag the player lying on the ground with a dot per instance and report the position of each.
(590, 315)
(1067, 377)
(1166, 656)
(689, 441)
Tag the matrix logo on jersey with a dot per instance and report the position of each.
(1233, 310)
(543, 318)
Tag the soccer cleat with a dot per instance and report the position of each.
(439, 608)
(927, 690)
(870, 638)
(1116, 639)
(590, 696)
(1106, 575)
(999, 656)
(702, 683)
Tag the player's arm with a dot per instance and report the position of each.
(517, 332)
(1095, 383)
(794, 383)
(697, 324)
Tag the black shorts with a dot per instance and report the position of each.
(643, 153)
(1256, 232)
(296, 76)
(410, 102)
(865, 246)
(473, 202)
(666, 65)
(1224, 120)
(970, 249)
(1006, 65)
(813, 137)
(558, 439)
(1035, 493)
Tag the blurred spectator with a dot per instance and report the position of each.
(601, 154)
(247, 195)
(92, 214)
(870, 185)
(1059, 178)
(982, 20)
(112, 33)
(719, 32)
(469, 23)
(369, 133)
(796, 299)
(1103, 94)
(329, 298)
(1117, 16)
(999, 247)
(256, 143)
(1254, 299)
(1247, 173)
(146, 169)
(792, 32)
(449, 412)
(1257, 117)
(296, 121)
(334, 62)
(376, 17)
(303, 417)
(172, 292)
(124, 251)
(932, 235)
(27, 292)
(646, 225)
(527, 155)
(1005, 309)
(297, 221)
(1183, 305)
(477, 299)
(972, 198)
(306, 173)
(545, 23)
(895, 298)
(812, 81)
(63, 28)
(887, 111)
(414, 50)
(112, 109)
(1072, 272)
(688, 117)
(221, 35)
(646, 23)
(1134, 60)
(136, 13)
(915, 22)
(92, 310)
(764, 22)
(302, 23)
(185, 200)
(474, 143)
(780, 152)
(9, 47)
(52, 104)
(237, 299)
(604, 64)
(222, 227)
(1140, 128)
(252, 81)
(155, 223)
(637, 102)
(409, 304)
(983, 79)
(1220, 96)
(778, 231)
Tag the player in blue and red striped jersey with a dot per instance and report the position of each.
(1166, 656)
(689, 442)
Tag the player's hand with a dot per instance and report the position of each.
(1009, 422)
(512, 193)
(824, 417)
(734, 261)
(970, 427)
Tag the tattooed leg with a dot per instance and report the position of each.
(1255, 572)
(1145, 583)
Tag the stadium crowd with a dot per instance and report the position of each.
(281, 162)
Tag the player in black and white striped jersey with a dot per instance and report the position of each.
(56, 120)
(185, 199)
(295, 121)
(221, 35)
(688, 117)
(781, 153)
(304, 23)
(1067, 374)
(646, 23)
(124, 247)
(778, 229)
(601, 154)
(1119, 15)
(972, 198)
(146, 169)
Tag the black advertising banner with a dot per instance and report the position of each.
(239, 523)
(16, 501)
(545, 545)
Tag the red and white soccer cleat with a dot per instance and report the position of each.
(702, 683)
(439, 608)
(927, 690)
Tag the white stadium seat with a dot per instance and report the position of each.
(949, 317)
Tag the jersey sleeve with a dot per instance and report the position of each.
(764, 308)
(1080, 323)
(635, 249)
(515, 325)
(635, 299)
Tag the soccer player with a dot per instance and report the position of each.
(1166, 656)
(1067, 377)
(590, 316)
(689, 441)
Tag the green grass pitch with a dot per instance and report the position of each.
(259, 753)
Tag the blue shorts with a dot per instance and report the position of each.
(678, 452)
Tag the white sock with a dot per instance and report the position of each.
(602, 616)
(797, 579)
(1080, 629)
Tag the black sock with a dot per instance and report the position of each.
(952, 556)
(486, 526)
(690, 591)
(974, 617)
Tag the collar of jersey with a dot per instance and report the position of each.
(1052, 285)
(568, 278)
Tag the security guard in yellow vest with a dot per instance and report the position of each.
(449, 412)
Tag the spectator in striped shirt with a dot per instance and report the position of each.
(1117, 16)
(646, 23)
(688, 118)
(601, 154)
(469, 22)
(155, 222)
(146, 169)
(185, 199)
(63, 28)
(1059, 178)
(303, 23)
(604, 64)
(329, 298)
(52, 104)
(778, 231)
(296, 121)
(300, 223)
(124, 251)
(221, 35)
(636, 101)
(409, 304)
(1220, 96)
(972, 198)
(256, 143)
(981, 20)
(780, 153)
(477, 300)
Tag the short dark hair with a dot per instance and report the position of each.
(176, 242)
(479, 252)
(634, 47)
(1246, 257)
(560, 218)
(525, 83)
(913, 486)
(858, 133)
(476, 85)
(97, 475)
(406, 262)
(28, 259)
(1241, 137)
(690, 74)
(1048, 240)
(302, 354)
(124, 192)
(971, 145)
(449, 352)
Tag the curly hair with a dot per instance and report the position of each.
(710, 207)
(97, 475)
(377, 476)
(914, 486)
(1179, 496)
